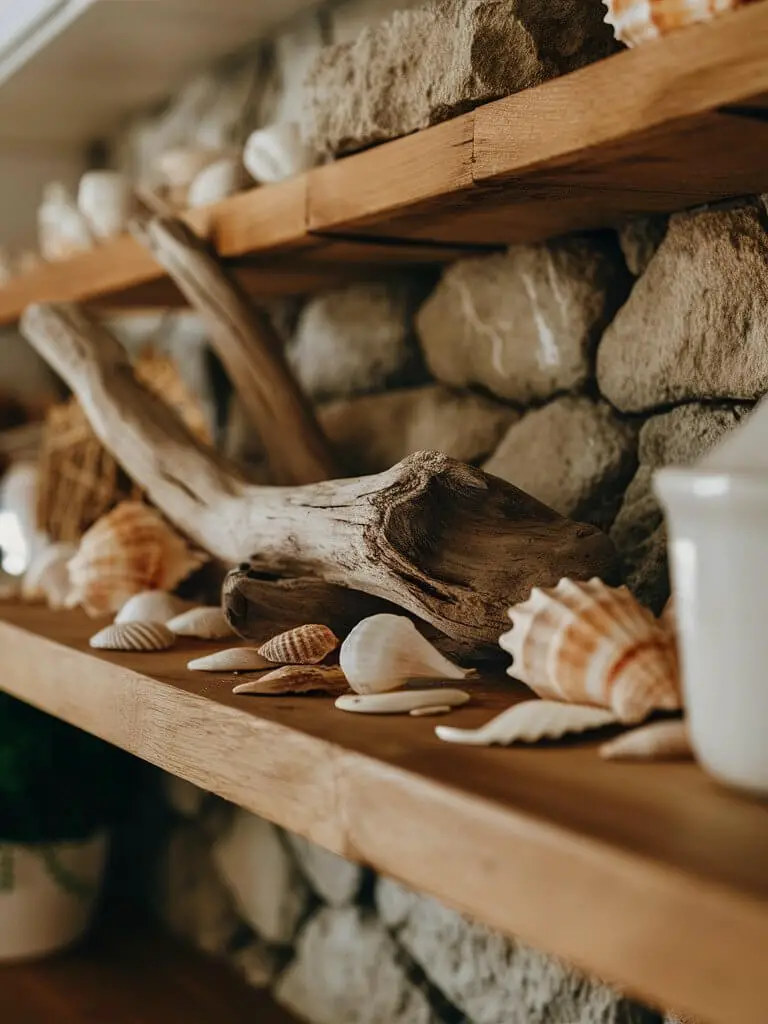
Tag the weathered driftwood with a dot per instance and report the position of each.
(443, 540)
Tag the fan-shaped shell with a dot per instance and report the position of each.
(587, 643)
(402, 702)
(304, 645)
(151, 606)
(275, 153)
(134, 636)
(203, 623)
(297, 679)
(130, 550)
(638, 21)
(530, 721)
(47, 578)
(233, 659)
(659, 741)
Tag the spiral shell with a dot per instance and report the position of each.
(203, 623)
(305, 645)
(128, 551)
(134, 636)
(586, 643)
(297, 679)
(638, 21)
(233, 659)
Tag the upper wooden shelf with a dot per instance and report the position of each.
(671, 124)
(650, 876)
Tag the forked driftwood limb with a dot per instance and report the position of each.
(443, 540)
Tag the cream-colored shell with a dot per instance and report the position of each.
(658, 741)
(275, 153)
(47, 578)
(639, 21)
(224, 177)
(203, 623)
(529, 722)
(233, 659)
(62, 230)
(297, 679)
(304, 645)
(134, 636)
(179, 166)
(151, 606)
(430, 711)
(402, 702)
(587, 643)
(105, 199)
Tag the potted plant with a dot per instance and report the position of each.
(60, 791)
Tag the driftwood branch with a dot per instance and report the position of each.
(447, 542)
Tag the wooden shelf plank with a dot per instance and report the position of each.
(650, 876)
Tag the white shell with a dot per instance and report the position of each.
(233, 659)
(151, 606)
(105, 199)
(275, 153)
(402, 702)
(530, 721)
(47, 578)
(181, 165)
(659, 741)
(223, 178)
(203, 623)
(61, 227)
(384, 651)
(433, 709)
(134, 636)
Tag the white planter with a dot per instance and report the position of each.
(48, 898)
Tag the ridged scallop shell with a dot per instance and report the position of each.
(202, 623)
(47, 578)
(587, 643)
(297, 679)
(151, 606)
(402, 702)
(659, 741)
(128, 551)
(304, 645)
(233, 659)
(133, 636)
(639, 21)
(529, 722)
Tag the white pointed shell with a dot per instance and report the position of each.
(304, 645)
(639, 21)
(297, 679)
(402, 702)
(275, 153)
(587, 643)
(203, 623)
(233, 659)
(133, 636)
(384, 651)
(659, 741)
(220, 179)
(151, 606)
(47, 578)
(105, 199)
(529, 722)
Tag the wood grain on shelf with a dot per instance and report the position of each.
(650, 876)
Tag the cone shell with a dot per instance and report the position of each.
(233, 659)
(639, 21)
(151, 606)
(203, 623)
(529, 722)
(130, 550)
(305, 645)
(297, 679)
(587, 643)
(134, 636)
(659, 741)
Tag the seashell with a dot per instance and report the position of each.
(223, 178)
(105, 199)
(179, 166)
(297, 679)
(151, 606)
(659, 741)
(305, 645)
(432, 709)
(134, 636)
(233, 659)
(588, 643)
(128, 551)
(529, 722)
(203, 623)
(47, 578)
(275, 153)
(639, 21)
(384, 651)
(62, 230)
(402, 702)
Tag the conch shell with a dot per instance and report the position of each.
(638, 21)
(304, 645)
(151, 606)
(659, 741)
(402, 702)
(130, 550)
(233, 659)
(587, 643)
(530, 721)
(297, 679)
(47, 578)
(134, 636)
(384, 651)
(203, 623)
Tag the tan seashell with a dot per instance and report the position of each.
(47, 578)
(587, 643)
(203, 623)
(402, 702)
(639, 21)
(128, 551)
(297, 679)
(384, 651)
(151, 606)
(304, 645)
(133, 636)
(233, 659)
(433, 709)
(659, 741)
(529, 722)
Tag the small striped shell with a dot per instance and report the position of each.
(639, 21)
(305, 645)
(202, 623)
(297, 679)
(151, 606)
(233, 659)
(658, 741)
(587, 643)
(134, 636)
(401, 702)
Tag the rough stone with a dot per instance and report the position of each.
(373, 432)
(265, 883)
(423, 65)
(696, 323)
(679, 437)
(573, 454)
(334, 879)
(294, 52)
(639, 239)
(523, 324)
(362, 979)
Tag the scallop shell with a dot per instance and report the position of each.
(659, 741)
(134, 636)
(233, 659)
(151, 606)
(384, 651)
(402, 702)
(297, 679)
(275, 153)
(529, 722)
(639, 21)
(587, 643)
(128, 551)
(223, 178)
(203, 623)
(47, 578)
(305, 645)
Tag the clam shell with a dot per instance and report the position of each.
(587, 643)
(658, 741)
(203, 623)
(47, 578)
(402, 702)
(297, 679)
(305, 645)
(639, 21)
(529, 722)
(133, 636)
(215, 182)
(275, 153)
(151, 606)
(233, 659)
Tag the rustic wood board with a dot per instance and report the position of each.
(650, 876)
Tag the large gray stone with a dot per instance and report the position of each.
(334, 879)
(573, 454)
(423, 65)
(696, 323)
(347, 971)
(523, 324)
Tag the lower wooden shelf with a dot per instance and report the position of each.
(650, 876)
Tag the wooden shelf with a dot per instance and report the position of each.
(669, 125)
(650, 876)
